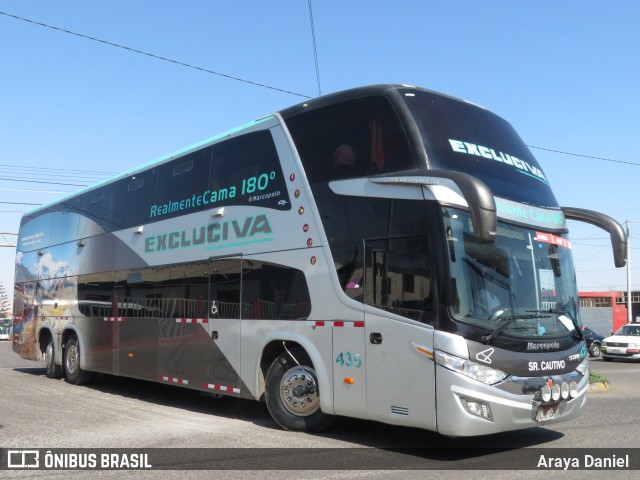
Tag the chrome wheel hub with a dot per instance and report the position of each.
(72, 358)
(48, 354)
(299, 391)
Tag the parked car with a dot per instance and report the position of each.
(625, 343)
(594, 341)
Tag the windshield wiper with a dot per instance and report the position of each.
(487, 273)
(487, 339)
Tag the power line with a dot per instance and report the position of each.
(61, 170)
(315, 49)
(28, 177)
(152, 55)
(18, 173)
(31, 190)
(52, 176)
(231, 77)
(622, 287)
(29, 180)
(585, 156)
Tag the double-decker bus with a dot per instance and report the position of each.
(386, 253)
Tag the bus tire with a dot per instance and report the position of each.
(72, 371)
(292, 394)
(53, 370)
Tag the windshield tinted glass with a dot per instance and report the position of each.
(357, 138)
(629, 330)
(525, 274)
(461, 136)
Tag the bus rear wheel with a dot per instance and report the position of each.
(292, 395)
(53, 370)
(72, 371)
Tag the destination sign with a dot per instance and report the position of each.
(527, 214)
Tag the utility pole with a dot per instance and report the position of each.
(629, 315)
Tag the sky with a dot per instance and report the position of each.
(75, 111)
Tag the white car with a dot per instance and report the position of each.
(625, 343)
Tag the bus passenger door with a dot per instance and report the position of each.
(225, 312)
(400, 369)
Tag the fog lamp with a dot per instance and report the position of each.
(545, 393)
(573, 389)
(555, 392)
(564, 390)
(477, 408)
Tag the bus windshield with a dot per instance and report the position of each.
(460, 136)
(523, 284)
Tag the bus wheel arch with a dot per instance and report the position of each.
(49, 351)
(270, 352)
(291, 389)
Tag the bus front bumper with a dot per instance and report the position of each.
(466, 407)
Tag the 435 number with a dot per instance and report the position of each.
(348, 359)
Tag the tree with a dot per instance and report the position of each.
(5, 304)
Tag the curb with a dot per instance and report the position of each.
(598, 387)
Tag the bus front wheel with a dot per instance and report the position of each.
(72, 371)
(292, 395)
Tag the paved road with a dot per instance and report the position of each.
(121, 413)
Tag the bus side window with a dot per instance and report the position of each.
(181, 291)
(275, 291)
(390, 286)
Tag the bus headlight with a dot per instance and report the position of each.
(481, 373)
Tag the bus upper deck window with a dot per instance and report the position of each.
(182, 168)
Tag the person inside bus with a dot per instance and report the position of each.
(344, 161)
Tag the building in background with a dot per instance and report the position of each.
(604, 312)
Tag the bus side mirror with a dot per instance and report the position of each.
(616, 232)
(482, 205)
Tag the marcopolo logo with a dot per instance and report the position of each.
(542, 346)
(215, 235)
(485, 355)
(490, 154)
